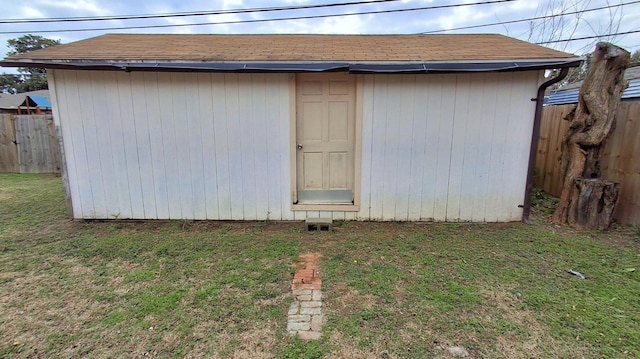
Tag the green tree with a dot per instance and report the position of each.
(9, 82)
(28, 79)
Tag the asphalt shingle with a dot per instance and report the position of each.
(295, 48)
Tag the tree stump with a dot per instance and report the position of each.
(592, 203)
(591, 123)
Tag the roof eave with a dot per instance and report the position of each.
(303, 66)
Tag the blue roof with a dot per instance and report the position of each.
(41, 101)
(561, 97)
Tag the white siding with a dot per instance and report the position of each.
(217, 146)
(175, 145)
(446, 147)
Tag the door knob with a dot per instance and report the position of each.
(299, 146)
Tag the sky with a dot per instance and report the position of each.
(621, 16)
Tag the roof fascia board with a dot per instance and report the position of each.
(40, 62)
(355, 67)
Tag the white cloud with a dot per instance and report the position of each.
(234, 4)
(90, 7)
(332, 25)
(30, 12)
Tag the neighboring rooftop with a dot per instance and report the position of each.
(631, 73)
(10, 101)
(569, 93)
(140, 47)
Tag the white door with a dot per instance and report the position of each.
(325, 105)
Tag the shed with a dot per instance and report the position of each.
(26, 103)
(289, 127)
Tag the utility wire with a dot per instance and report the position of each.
(187, 13)
(588, 37)
(257, 20)
(530, 19)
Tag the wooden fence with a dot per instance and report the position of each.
(29, 144)
(620, 160)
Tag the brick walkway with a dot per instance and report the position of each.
(305, 316)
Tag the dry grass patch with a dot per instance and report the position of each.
(49, 303)
(524, 335)
(348, 348)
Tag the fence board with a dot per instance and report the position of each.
(549, 130)
(553, 167)
(29, 144)
(54, 145)
(543, 150)
(620, 157)
(8, 147)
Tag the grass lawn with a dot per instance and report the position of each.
(391, 290)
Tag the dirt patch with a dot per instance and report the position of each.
(509, 345)
(12, 233)
(53, 306)
(348, 299)
(57, 227)
(537, 343)
(347, 348)
(617, 236)
(273, 301)
(413, 332)
(259, 343)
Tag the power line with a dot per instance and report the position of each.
(257, 20)
(529, 19)
(187, 13)
(23, 75)
(588, 37)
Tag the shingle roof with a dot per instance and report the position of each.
(12, 101)
(296, 48)
(631, 73)
(570, 93)
(8, 100)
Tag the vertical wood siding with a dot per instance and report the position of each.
(175, 145)
(446, 147)
(216, 146)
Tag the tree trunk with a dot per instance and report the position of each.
(591, 123)
(593, 202)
